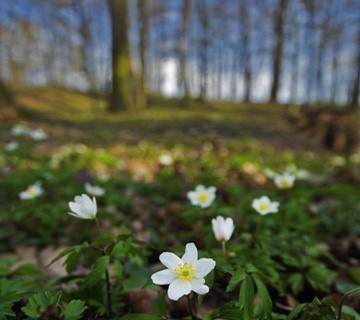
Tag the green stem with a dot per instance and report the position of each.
(192, 315)
(97, 224)
(108, 291)
(223, 244)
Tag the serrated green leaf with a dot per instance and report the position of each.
(238, 276)
(98, 271)
(228, 311)
(121, 249)
(296, 281)
(39, 302)
(246, 297)
(264, 296)
(74, 310)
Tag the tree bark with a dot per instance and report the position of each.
(121, 97)
(246, 54)
(183, 84)
(144, 44)
(354, 103)
(278, 47)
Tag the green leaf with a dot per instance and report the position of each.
(98, 271)
(238, 276)
(246, 297)
(223, 264)
(74, 310)
(320, 277)
(228, 311)
(138, 316)
(121, 248)
(355, 274)
(264, 296)
(296, 281)
(296, 311)
(39, 302)
(78, 248)
(351, 312)
(353, 293)
(119, 269)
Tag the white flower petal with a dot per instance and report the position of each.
(163, 277)
(203, 266)
(191, 253)
(198, 286)
(75, 207)
(170, 260)
(178, 288)
(200, 188)
(211, 190)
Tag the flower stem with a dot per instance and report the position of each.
(223, 244)
(191, 310)
(108, 291)
(97, 224)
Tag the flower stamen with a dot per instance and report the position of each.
(202, 197)
(185, 271)
(263, 206)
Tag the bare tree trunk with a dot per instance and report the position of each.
(354, 103)
(278, 48)
(246, 54)
(144, 43)
(182, 52)
(204, 42)
(122, 79)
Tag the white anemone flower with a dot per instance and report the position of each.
(202, 196)
(303, 174)
(94, 190)
(19, 130)
(284, 181)
(184, 275)
(31, 192)
(223, 228)
(83, 207)
(11, 146)
(166, 159)
(271, 174)
(38, 134)
(264, 205)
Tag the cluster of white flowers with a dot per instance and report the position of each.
(287, 180)
(22, 130)
(185, 274)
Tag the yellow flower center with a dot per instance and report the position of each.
(202, 197)
(285, 183)
(185, 271)
(263, 206)
(31, 191)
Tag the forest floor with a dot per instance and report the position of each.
(164, 121)
(147, 161)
